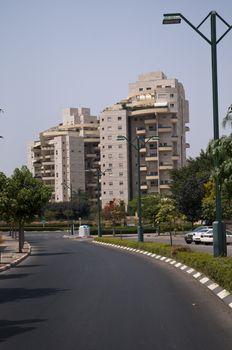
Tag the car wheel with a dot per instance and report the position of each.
(197, 242)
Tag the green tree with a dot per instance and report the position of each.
(188, 185)
(150, 206)
(169, 214)
(227, 120)
(26, 197)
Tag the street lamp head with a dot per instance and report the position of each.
(171, 18)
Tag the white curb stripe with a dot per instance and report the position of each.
(178, 264)
(223, 294)
(190, 270)
(204, 280)
(213, 286)
(184, 267)
(198, 274)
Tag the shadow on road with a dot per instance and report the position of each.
(15, 275)
(48, 254)
(11, 328)
(13, 294)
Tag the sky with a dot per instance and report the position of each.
(56, 54)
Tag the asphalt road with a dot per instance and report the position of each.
(77, 295)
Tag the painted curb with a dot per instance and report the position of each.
(217, 290)
(15, 262)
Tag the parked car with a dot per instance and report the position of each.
(198, 234)
(189, 235)
(207, 237)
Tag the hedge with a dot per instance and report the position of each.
(218, 269)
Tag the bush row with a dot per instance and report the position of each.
(217, 269)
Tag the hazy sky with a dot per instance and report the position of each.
(70, 53)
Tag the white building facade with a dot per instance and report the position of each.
(156, 112)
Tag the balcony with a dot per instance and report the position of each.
(174, 119)
(140, 131)
(143, 150)
(175, 157)
(187, 145)
(164, 128)
(165, 166)
(187, 128)
(165, 147)
(164, 186)
(143, 187)
(150, 121)
(152, 176)
(143, 168)
(151, 157)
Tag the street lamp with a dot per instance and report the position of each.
(99, 173)
(219, 241)
(137, 147)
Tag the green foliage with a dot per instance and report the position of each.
(188, 186)
(150, 206)
(218, 269)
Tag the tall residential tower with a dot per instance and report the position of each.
(155, 106)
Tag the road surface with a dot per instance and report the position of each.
(77, 295)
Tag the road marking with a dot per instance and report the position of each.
(223, 294)
(213, 286)
(198, 274)
(204, 280)
(178, 264)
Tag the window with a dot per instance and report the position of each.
(120, 174)
(102, 120)
(110, 165)
(120, 183)
(109, 127)
(119, 118)
(110, 183)
(109, 137)
(120, 146)
(110, 155)
(148, 88)
(121, 192)
(159, 86)
(120, 155)
(171, 95)
(120, 165)
(167, 86)
(109, 119)
(111, 193)
(120, 127)
(140, 89)
(109, 146)
(172, 105)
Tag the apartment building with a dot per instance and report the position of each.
(66, 156)
(152, 119)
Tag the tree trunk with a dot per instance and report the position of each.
(21, 237)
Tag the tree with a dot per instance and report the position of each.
(169, 214)
(188, 185)
(114, 211)
(150, 206)
(26, 197)
(228, 118)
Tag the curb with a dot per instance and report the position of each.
(217, 290)
(15, 262)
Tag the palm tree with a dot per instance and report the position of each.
(228, 118)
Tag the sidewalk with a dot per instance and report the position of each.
(9, 255)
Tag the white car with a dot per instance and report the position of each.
(207, 237)
(197, 236)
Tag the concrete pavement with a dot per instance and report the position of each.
(9, 252)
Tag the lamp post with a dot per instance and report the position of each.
(137, 147)
(219, 241)
(99, 173)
